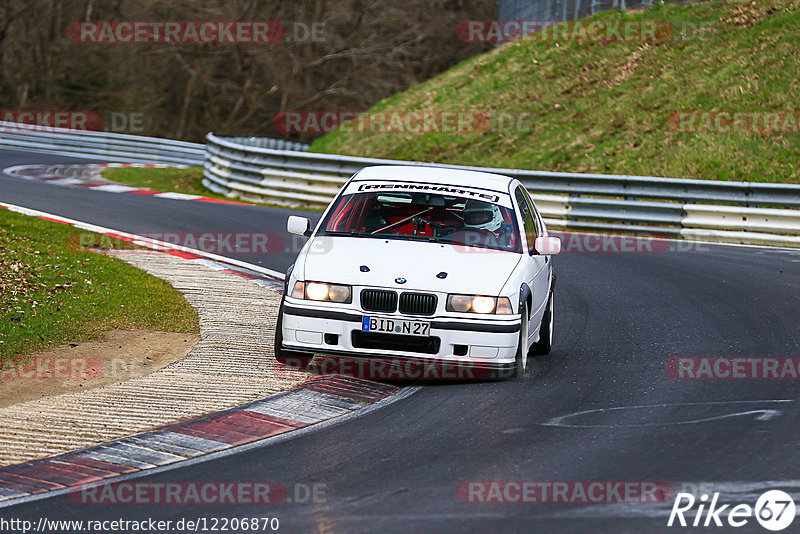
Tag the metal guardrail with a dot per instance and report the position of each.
(256, 161)
(742, 212)
(100, 145)
(269, 142)
(121, 147)
(281, 172)
(550, 12)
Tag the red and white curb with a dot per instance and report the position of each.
(320, 399)
(315, 401)
(88, 176)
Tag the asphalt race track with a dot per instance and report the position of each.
(620, 317)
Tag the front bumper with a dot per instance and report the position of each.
(476, 343)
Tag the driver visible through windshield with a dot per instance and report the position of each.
(424, 217)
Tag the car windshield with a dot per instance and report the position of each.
(424, 217)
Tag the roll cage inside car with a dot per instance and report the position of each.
(420, 216)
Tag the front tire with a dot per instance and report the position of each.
(545, 343)
(291, 359)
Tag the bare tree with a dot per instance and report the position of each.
(361, 53)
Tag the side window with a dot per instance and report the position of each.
(537, 218)
(526, 210)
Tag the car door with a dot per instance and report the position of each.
(538, 267)
(541, 231)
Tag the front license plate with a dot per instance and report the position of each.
(395, 326)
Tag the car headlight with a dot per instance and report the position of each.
(322, 292)
(479, 304)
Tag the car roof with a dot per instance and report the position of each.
(435, 175)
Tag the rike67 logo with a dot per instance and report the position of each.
(774, 510)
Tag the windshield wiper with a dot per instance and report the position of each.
(408, 237)
(351, 234)
(404, 237)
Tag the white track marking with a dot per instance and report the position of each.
(764, 414)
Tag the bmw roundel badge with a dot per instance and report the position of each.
(400, 280)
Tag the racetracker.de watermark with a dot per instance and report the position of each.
(52, 368)
(209, 493)
(734, 368)
(604, 31)
(416, 122)
(70, 368)
(94, 121)
(735, 122)
(636, 242)
(195, 32)
(388, 368)
(581, 243)
(211, 242)
(564, 492)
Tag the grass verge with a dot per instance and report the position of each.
(53, 290)
(561, 102)
(187, 180)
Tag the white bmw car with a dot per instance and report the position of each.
(423, 263)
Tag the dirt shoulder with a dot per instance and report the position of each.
(118, 356)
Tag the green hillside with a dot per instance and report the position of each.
(561, 101)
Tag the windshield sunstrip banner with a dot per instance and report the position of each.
(485, 195)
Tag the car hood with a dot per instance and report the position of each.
(469, 270)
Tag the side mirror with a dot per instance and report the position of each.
(547, 245)
(298, 225)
